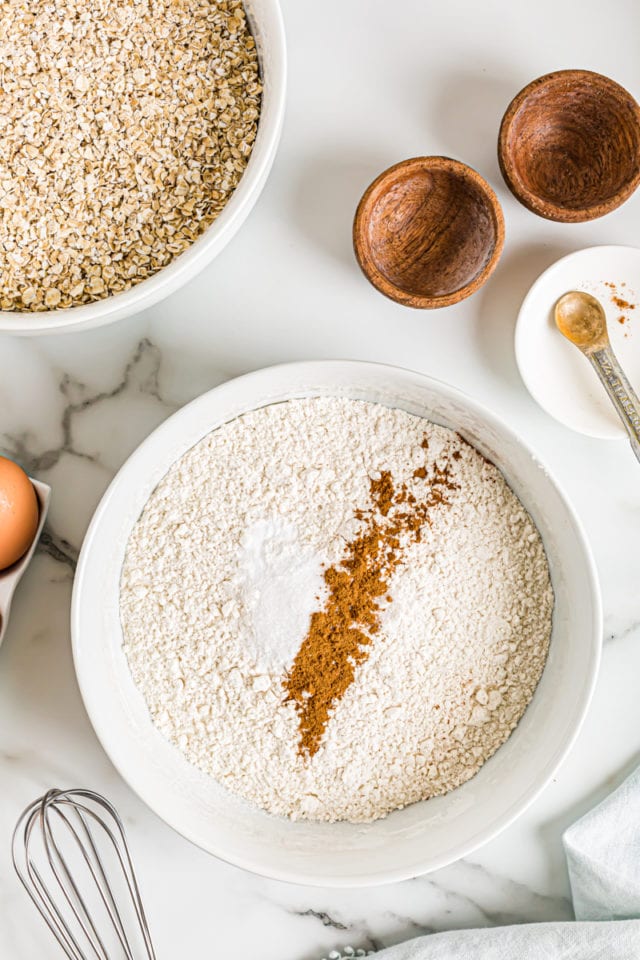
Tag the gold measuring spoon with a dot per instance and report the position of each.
(581, 319)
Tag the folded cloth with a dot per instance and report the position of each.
(603, 859)
(592, 940)
(603, 856)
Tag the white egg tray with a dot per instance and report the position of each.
(10, 578)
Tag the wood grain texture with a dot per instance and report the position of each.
(569, 146)
(428, 232)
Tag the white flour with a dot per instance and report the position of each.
(225, 567)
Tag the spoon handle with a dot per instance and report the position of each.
(621, 393)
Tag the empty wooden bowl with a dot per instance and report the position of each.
(428, 232)
(569, 146)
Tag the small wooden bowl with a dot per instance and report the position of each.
(569, 146)
(428, 232)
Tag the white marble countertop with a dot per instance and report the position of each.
(370, 83)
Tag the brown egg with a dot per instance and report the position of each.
(18, 512)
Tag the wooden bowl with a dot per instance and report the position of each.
(428, 232)
(569, 146)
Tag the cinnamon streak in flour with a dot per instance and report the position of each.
(340, 635)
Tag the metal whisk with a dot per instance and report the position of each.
(70, 852)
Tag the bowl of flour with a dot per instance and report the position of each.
(337, 638)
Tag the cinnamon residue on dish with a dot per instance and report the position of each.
(620, 301)
(340, 635)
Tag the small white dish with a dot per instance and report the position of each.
(10, 578)
(555, 373)
(423, 836)
(267, 26)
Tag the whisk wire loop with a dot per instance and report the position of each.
(73, 896)
(36, 887)
(75, 833)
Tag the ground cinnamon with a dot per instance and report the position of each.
(340, 635)
(619, 301)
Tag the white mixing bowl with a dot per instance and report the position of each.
(423, 836)
(267, 27)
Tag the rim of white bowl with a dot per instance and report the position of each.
(170, 278)
(521, 353)
(386, 875)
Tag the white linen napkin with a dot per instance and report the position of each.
(603, 858)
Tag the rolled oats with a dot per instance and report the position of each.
(125, 128)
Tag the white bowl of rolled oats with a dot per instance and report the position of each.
(134, 141)
(226, 550)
